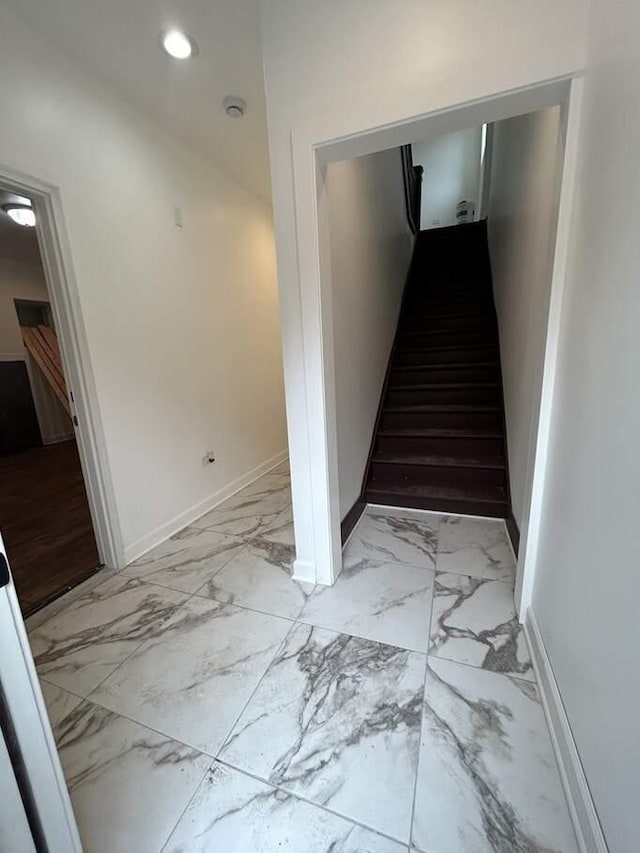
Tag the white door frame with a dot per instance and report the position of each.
(65, 305)
(312, 147)
(49, 804)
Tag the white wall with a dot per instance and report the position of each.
(522, 216)
(371, 247)
(353, 66)
(451, 174)
(18, 280)
(587, 585)
(182, 323)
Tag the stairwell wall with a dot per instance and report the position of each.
(522, 216)
(451, 165)
(587, 584)
(371, 247)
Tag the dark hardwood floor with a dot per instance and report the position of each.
(45, 522)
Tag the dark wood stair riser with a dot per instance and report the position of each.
(447, 374)
(433, 475)
(453, 298)
(438, 503)
(447, 394)
(453, 354)
(442, 310)
(426, 340)
(441, 325)
(441, 418)
(397, 445)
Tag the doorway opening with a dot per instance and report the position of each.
(313, 206)
(52, 526)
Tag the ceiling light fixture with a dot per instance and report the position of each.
(22, 214)
(178, 44)
(234, 107)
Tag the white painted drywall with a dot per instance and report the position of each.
(522, 215)
(329, 62)
(182, 323)
(587, 584)
(18, 280)
(451, 174)
(371, 247)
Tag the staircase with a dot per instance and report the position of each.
(42, 344)
(439, 442)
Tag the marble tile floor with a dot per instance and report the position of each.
(202, 700)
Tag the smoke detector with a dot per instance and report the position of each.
(234, 107)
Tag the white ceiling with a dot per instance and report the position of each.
(119, 40)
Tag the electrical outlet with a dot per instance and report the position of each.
(435, 222)
(208, 458)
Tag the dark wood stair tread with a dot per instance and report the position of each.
(444, 347)
(496, 494)
(474, 501)
(441, 460)
(443, 407)
(431, 332)
(440, 432)
(447, 365)
(444, 386)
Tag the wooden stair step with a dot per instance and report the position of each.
(479, 501)
(441, 356)
(451, 365)
(443, 393)
(494, 461)
(444, 407)
(442, 432)
(488, 371)
(442, 416)
(446, 386)
(445, 337)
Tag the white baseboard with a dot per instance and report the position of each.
(303, 570)
(581, 807)
(58, 438)
(161, 534)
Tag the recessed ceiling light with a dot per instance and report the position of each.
(22, 214)
(179, 44)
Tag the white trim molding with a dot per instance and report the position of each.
(58, 438)
(23, 700)
(541, 434)
(303, 570)
(581, 806)
(184, 519)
